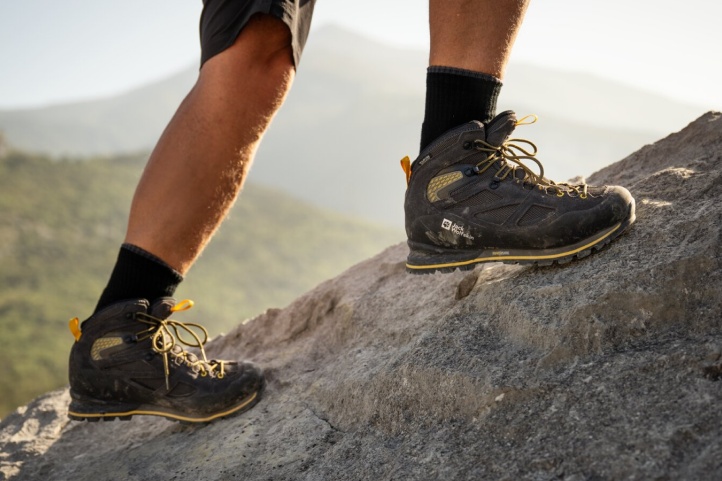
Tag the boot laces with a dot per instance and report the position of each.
(166, 337)
(509, 156)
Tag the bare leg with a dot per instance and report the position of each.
(198, 166)
(474, 35)
(192, 178)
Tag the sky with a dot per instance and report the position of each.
(61, 51)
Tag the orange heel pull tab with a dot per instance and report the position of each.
(406, 166)
(74, 325)
(183, 305)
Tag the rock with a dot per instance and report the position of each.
(605, 368)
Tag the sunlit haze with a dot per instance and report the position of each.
(53, 52)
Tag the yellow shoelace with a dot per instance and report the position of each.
(511, 154)
(166, 335)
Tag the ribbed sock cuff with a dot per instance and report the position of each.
(138, 274)
(455, 96)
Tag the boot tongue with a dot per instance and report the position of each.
(500, 128)
(161, 308)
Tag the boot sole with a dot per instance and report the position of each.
(93, 411)
(422, 261)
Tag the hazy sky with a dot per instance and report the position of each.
(54, 51)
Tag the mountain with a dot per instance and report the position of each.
(355, 110)
(605, 368)
(128, 122)
(61, 223)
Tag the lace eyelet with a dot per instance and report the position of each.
(467, 145)
(582, 196)
(494, 184)
(130, 338)
(560, 193)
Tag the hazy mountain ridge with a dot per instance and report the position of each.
(129, 122)
(355, 110)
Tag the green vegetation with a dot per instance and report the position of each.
(61, 223)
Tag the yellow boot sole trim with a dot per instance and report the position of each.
(500, 258)
(177, 417)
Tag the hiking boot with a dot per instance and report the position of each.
(128, 360)
(472, 199)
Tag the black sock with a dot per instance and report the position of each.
(455, 96)
(138, 274)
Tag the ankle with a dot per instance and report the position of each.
(455, 96)
(138, 274)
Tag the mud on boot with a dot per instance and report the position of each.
(128, 360)
(471, 198)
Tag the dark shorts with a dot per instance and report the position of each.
(223, 20)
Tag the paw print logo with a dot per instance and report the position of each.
(446, 224)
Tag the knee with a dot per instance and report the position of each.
(263, 48)
(267, 39)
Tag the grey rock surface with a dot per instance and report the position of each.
(605, 368)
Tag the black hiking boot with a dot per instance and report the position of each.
(128, 360)
(471, 199)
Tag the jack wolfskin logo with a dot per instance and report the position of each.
(457, 229)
